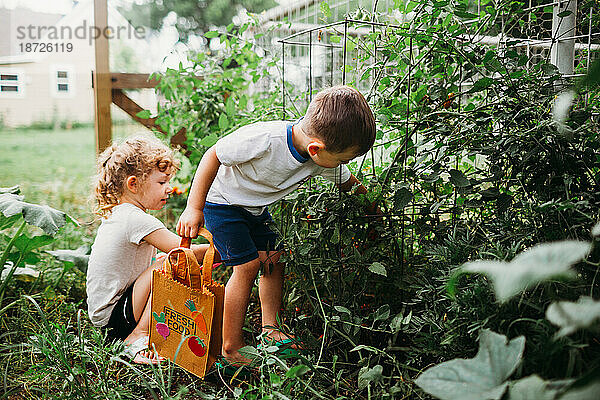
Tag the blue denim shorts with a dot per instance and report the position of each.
(239, 235)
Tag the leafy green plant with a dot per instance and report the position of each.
(209, 98)
(486, 375)
(14, 210)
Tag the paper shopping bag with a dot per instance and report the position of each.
(187, 316)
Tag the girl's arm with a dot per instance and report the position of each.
(193, 216)
(165, 241)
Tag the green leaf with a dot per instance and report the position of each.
(12, 190)
(342, 309)
(565, 13)
(8, 222)
(26, 244)
(44, 217)
(368, 375)
(335, 39)
(230, 106)
(350, 45)
(223, 122)
(396, 323)
(571, 316)
(588, 392)
(297, 371)
(326, 10)
(542, 262)
(211, 34)
(532, 388)
(481, 84)
(596, 230)
(249, 352)
(79, 257)
(458, 179)
(382, 313)
(402, 198)
(209, 140)
(378, 268)
(144, 114)
(592, 78)
(482, 377)
(23, 274)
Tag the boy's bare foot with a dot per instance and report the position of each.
(235, 358)
(275, 335)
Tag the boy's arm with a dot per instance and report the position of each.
(350, 183)
(165, 241)
(193, 216)
(360, 189)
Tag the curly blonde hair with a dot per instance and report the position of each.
(136, 156)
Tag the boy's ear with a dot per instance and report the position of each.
(314, 147)
(132, 183)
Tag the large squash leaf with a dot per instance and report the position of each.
(571, 316)
(540, 263)
(482, 377)
(588, 392)
(535, 388)
(12, 190)
(78, 257)
(25, 274)
(44, 217)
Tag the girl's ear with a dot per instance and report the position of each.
(314, 147)
(132, 183)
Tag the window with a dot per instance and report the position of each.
(11, 83)
(62, 82)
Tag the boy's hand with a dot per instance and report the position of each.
(189, 222)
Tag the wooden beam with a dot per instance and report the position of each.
(132, 81)
(132, 108)
(101, 80)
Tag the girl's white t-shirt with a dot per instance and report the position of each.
(259, 166)
(119, 256)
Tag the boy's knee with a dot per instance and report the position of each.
(249, 268)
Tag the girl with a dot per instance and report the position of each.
(132, 178)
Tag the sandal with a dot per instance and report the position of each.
(284, 345)
(231, 370)
(132, 350)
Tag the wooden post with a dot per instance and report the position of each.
(102, 79)
(562, 52)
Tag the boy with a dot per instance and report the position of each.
(255, 166)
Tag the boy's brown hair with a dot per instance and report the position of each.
(342, 119)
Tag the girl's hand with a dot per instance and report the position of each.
(189, 222)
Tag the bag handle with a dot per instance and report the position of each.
(192, 275)
(182, 266)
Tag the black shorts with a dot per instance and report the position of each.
(122, 321)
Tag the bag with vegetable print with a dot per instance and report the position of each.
(187, 309)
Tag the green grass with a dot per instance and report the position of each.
(53, 167)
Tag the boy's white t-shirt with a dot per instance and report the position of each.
(259, 165)
(119, 256)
